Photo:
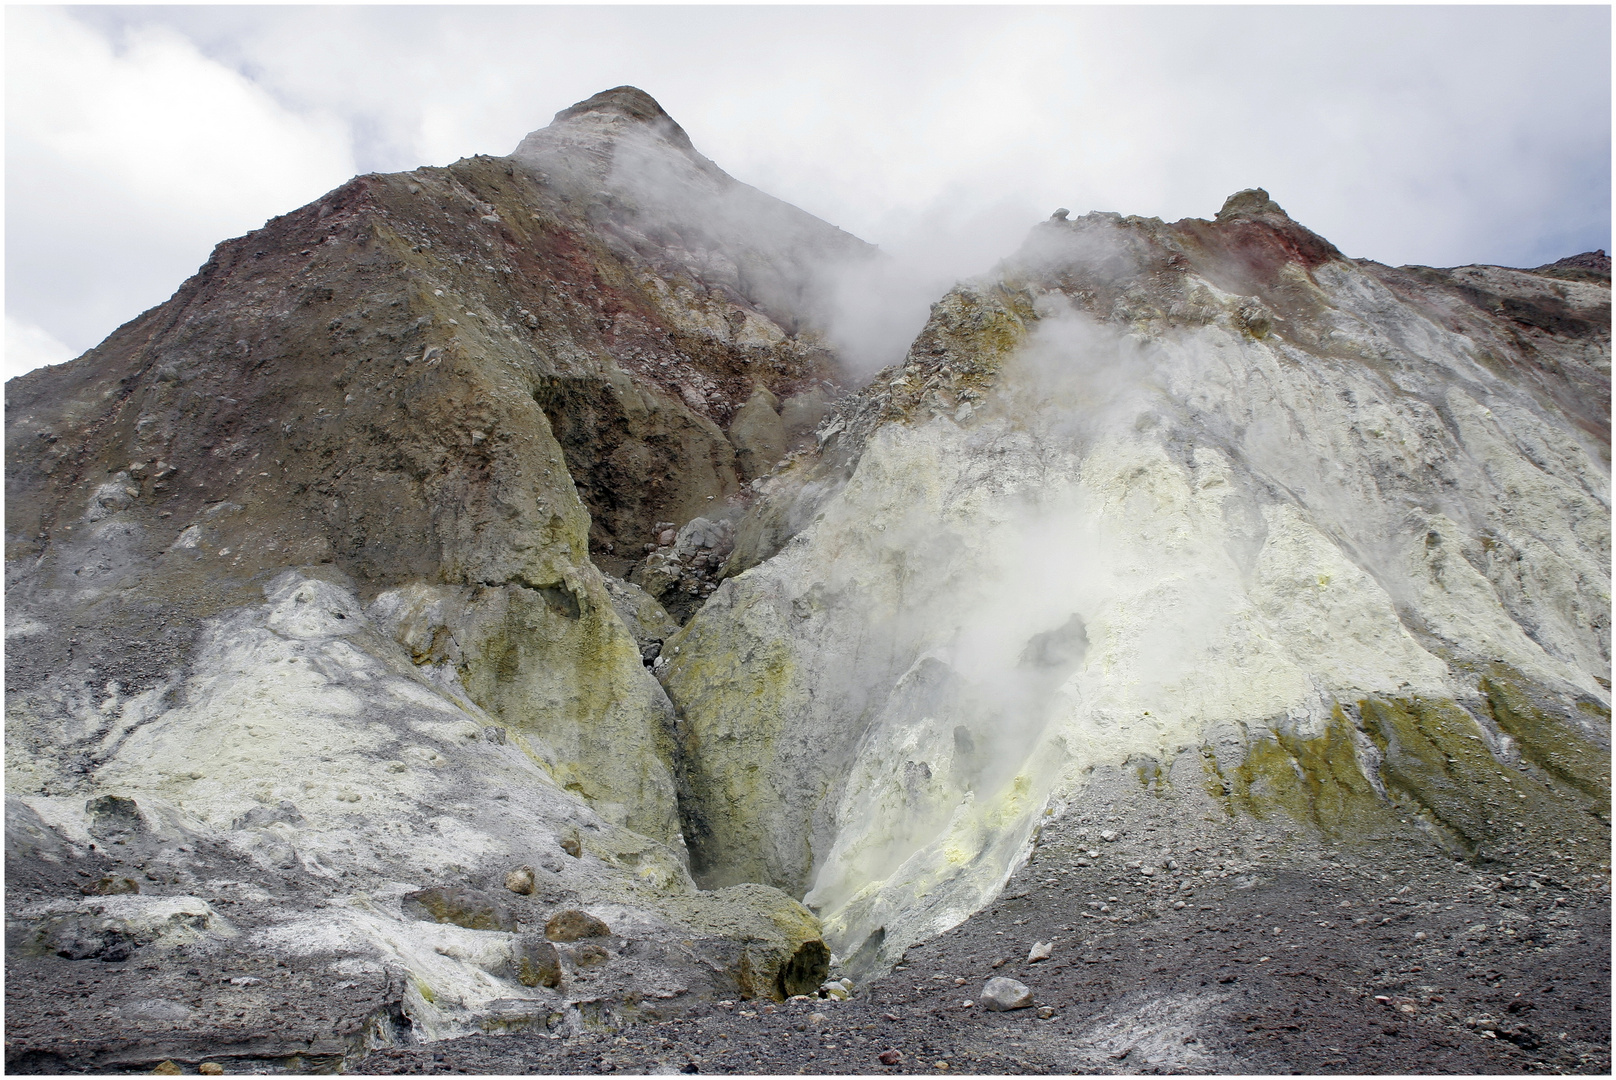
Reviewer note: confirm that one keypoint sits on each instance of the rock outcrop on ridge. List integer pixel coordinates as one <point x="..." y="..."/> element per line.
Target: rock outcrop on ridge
<point x="486" y="543"/>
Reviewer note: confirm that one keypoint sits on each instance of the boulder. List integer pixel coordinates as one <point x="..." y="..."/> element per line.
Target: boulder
<point x="111" y="886"/>
<point x="259" y="816"/>
<point x="574" y="925"/>
<point x="114" y="818"/>
<point x="86" y="937"/>
<point x="536" y="962"/>
<point x="1002" y="995"/>
<point x="589" y="955"/>
<point x="704" y="534"/>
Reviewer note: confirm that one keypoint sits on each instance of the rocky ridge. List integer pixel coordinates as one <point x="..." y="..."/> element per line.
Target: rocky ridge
<point x="484" y="553"/>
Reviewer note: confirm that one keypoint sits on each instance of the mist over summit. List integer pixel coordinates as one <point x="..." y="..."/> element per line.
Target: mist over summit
<point x="534" y="598"/>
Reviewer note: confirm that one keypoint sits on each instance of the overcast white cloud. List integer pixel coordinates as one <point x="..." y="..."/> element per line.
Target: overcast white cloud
<point x="127" y="158"/>
<point x="138" y="137"/>
<point x="29" y="346"/>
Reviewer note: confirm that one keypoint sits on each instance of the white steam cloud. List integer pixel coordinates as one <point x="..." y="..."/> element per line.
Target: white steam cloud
<point x="876" y="307"/>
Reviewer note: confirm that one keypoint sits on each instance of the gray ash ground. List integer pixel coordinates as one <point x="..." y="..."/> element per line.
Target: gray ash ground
<point x="1389" y="958"/>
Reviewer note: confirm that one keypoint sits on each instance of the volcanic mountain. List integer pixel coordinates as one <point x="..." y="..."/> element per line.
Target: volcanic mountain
<point x="482" y="601"/>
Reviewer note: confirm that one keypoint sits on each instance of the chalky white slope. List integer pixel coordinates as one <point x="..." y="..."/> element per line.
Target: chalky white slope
<point x="304" y="742"/>
<point x="1108" y="512"/>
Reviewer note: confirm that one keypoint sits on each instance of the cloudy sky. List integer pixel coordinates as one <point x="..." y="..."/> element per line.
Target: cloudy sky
<point x="138" y="137"/>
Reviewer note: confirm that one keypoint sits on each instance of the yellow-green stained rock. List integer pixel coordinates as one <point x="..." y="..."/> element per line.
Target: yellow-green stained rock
<point x="470" y="908"/>
<point x="563" y="669"/>
<point x="782" y="951"/>
<point x="536" y="962"/>
<point x="746" y="829"/>
<point x="574" y="925"/>
<point x="1548" y="741"/>
<point x="1314" y="780"/>
<point x="758" y="434"/>
<point x="1409" y="763"/>
<point x="558" y="666"/>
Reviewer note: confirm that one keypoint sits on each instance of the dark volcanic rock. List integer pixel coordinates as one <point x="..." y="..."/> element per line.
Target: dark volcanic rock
<point x="537" y="962"/>
<point x="572" y="925"/>
<point x="464" y="907"/>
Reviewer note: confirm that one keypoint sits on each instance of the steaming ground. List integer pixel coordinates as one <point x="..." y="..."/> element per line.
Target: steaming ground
<point x="1065" y="543"/>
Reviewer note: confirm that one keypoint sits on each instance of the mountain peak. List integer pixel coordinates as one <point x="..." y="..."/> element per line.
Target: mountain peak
<point x="610" y="108"/>
<point x="1249" y="203"/>
<point x="629" y="101"/>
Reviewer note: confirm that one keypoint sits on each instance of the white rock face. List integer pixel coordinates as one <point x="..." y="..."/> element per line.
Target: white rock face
<point x="341" y="775"/>
<point x="1151" y="532"/>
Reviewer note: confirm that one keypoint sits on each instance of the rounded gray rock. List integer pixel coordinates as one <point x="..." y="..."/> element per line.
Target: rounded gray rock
<point x="1002" y="995"/>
